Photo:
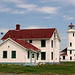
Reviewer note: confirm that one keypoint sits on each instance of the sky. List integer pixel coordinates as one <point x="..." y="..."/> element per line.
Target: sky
<point x="38" y="14"/>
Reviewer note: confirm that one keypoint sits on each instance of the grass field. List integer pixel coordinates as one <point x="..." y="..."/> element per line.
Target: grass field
<point x="63" y="68"/>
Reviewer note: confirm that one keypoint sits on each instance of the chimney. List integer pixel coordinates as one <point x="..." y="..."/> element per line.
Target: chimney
<point x="17" y="26"/>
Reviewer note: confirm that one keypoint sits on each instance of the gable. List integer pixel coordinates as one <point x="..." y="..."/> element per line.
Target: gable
<point x="56" y="35"/>
<point x="64" y="52"/>
<point x="6" y="44"/>
<point x="20" y="43"/>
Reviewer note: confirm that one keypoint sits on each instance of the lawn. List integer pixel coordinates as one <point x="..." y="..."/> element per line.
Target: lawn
<point x="62" y="68"/>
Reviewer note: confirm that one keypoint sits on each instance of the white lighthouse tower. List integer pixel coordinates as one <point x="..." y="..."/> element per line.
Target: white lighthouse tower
<point x="68" y="54"/>
<point x="71" y="43"/>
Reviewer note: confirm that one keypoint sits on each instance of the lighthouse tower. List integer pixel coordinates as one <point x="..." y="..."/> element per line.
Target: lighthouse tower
<point x="68" y="54"/>
<point x="71" y="43"/>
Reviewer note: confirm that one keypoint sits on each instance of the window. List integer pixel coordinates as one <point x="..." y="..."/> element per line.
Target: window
<point x="55" y="35"/>
<point x="70" y="58"/>
<point x="52" y="43"/>
<point x="30" y="41"/>
<point x="13" y="54"/>
<point x="70" y="43"/>
<point x="20" y="36"/>
<point x="37" y="56"/>
<point x="43" y="55"/>
<point x="73" y="34"/>
<point x="63" y="57"/>
<point x="70" y="51"/>
<point x="51" y="55"/>
<point x="28" y="54"/>
<point x="32" y="55"/>
<point x="43" y="43"/>
<point x="4" y="54"/>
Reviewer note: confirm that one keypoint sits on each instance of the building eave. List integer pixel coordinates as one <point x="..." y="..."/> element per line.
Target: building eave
<point x="17" y="44"/>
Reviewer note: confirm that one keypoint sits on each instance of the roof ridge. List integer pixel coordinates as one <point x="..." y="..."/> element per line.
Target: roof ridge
<point x="34" y="29"/>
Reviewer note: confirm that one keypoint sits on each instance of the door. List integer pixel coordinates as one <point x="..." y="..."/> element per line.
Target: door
<point x="33" y="57"/>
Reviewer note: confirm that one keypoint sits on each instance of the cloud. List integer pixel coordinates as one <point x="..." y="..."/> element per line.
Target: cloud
<point x="48" y="10"/>
<point x="70" y="2"/>
<point x="14" y="1"/>
<point x="4" y="9"/>
<point x="47" y="17"/>
<point x="33" y="27"/>
<point x="27" y="6"/>
<point x="43" y="1"/>
<point x="18" y="12"/>
<point x="3" y="30"/>
<point x="43" y="9"/>
<point x="68" y="18"/>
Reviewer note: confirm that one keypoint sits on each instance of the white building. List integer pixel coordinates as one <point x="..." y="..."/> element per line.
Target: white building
<point x="30" y="46"/>
<point x="68" y="54"/>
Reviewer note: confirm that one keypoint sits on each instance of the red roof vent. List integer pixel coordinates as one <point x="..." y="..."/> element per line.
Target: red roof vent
<point x="71" y="25"/>
<point x="17" y="27"/>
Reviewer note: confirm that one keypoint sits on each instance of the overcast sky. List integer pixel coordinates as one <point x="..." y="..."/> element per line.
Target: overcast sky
<point x="38" y="14"/>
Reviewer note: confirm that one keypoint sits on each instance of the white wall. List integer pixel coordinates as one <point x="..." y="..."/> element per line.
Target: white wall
<point x="55" y="48"/>
<point x="37" y="43"/>
<point x="48" y="49"/>
<point x="62" y="58"/>
<point x="21" y="54"/>
<point x="71" y="38"/>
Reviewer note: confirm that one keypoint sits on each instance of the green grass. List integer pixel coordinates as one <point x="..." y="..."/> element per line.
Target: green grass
<point x="63" y="68"/>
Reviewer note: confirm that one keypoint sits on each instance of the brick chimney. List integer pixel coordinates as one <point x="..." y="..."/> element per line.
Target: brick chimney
<point x="17" y="26"/>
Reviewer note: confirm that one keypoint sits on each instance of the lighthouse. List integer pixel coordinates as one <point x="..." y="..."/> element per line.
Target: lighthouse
<point x="71" y="43"/>
<point x="68" y="54"/>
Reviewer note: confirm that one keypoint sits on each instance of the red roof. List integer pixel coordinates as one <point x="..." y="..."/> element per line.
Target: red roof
<point x="64" y="52"/>
<point x="71" y="25"/>
<point x="26" y="45"/>
<point x="29" y="33"/>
